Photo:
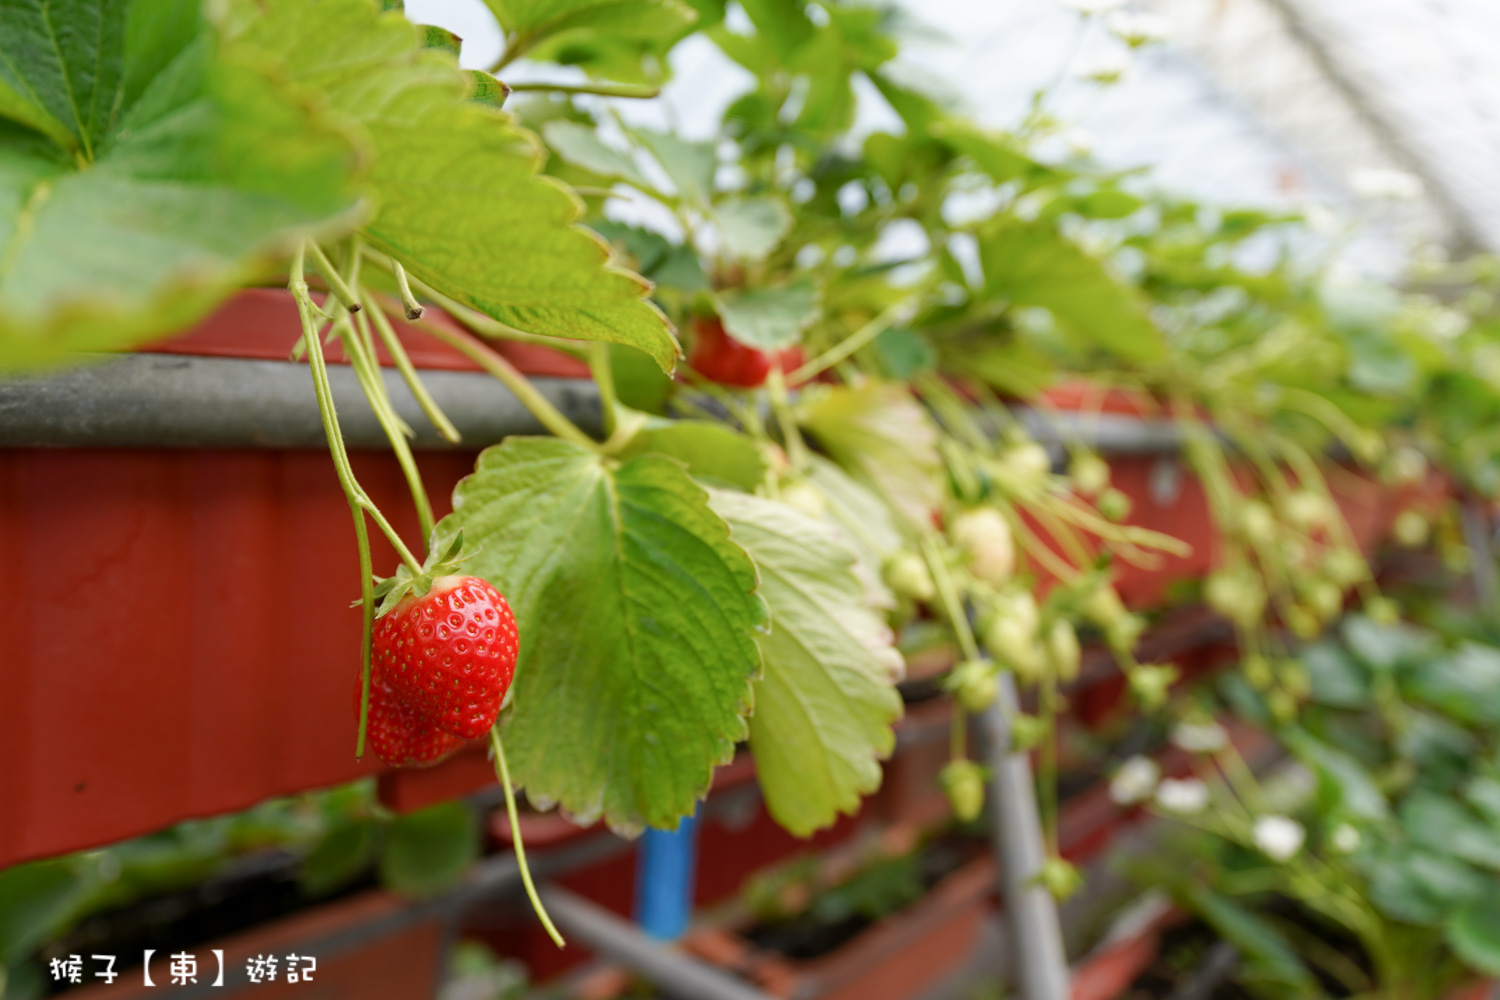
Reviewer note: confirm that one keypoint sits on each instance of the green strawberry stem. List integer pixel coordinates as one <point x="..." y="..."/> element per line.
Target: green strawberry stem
<point x="367" y="624"/>
<point x="411" y="308"/>
<point x="359" y="503"/>
<point x="502" y="771"/>
<point x="844" y="348"/>
<point x="604" y="378"/>
<point x="336" y="282"/>
<point x="485" y="357"/>
<point x="796" y="449"/>
<point x="633" y="91"/>
<point x="406" y="368"/>
<point x="360" y="346"/>
<point x="953" y="610"/>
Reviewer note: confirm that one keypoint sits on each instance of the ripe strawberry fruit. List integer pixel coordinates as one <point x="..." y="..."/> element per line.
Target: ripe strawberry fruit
<point x="449" y="653"/>
<point x="720" y="357"/>
<point x="399" y="734"/>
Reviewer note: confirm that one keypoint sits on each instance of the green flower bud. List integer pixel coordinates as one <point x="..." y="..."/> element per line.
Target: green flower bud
<point x="906" y="574"/>
<point x="973" y="683"/>
<point x="963" y="781"/>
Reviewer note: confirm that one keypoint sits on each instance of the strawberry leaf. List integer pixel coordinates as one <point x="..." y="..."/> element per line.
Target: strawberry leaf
<point x="768" y="318"/>
<point x="1032" y="264"/>
<point x="144" y="173"/>
<point x="636" y="614"/>
<point x="881" y="434"/>
<point x="460" y="203"/>
<point x="825" y="705"/>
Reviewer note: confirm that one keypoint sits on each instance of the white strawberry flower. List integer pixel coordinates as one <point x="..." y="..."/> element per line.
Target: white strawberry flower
<point x="1137" y="28"/>
<point x="1200" y="737"/>
<point x="1344" y="839"/>
<point x="1134" y="781"/>
<point x="1279" y="837"/>
<point x="1184" y="796"/>
<point x="1090" y="8"/>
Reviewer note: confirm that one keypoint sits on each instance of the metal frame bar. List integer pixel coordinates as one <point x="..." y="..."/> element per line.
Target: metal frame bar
<point x="177" y="401"/>
<point x="1039" y="959"/>
<point x="676" y="974"/>
<point x="180" y="401"/>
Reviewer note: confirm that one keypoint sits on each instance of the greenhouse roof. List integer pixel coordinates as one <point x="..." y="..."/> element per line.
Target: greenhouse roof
<point x="1385" y="111"/>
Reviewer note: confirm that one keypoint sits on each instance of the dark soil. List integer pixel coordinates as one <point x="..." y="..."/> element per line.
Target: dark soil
<point x="254" y="890"/>
<point x="1181" y="968"/>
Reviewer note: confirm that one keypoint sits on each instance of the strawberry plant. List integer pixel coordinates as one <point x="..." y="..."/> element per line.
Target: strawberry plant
<point x="734" y="558"/>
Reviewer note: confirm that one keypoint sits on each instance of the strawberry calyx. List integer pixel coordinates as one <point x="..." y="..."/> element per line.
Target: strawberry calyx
<point x="392" y="590"/>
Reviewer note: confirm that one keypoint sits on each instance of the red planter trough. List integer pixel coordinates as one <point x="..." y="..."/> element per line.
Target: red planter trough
<point x="184" y="643"/>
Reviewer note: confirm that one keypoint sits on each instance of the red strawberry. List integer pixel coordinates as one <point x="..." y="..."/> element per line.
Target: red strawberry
<point x="399" y="734"/>
<point x="720" y="357"/>
<point x="450" y="653"/>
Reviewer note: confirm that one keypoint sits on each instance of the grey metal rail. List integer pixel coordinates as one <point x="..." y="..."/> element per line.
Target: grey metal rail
<point x="181" y="401"/>
<point x="671" y="971"/>
<point x="177" y="401"/>
<point x="1016" y="831"/>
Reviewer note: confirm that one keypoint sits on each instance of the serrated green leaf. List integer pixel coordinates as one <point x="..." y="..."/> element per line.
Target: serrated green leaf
<point x="1343" y="779"/>
<point x="532" y="20"/>
<point x="768" y="318"/>
<point x="1445" y="826"/>
<point x="1337" y="678"/>
<point x="442" y="39"/>
<point x="487" y="90"/>
<point x="1465" y="683"/>
<point x="904" y="353"/>
<point x="867" y="524"/>
<point x="429" y="851"/>
<point x="581" y="146"/>
<point x="1269" y="954"/>
<point x="1474" y="933"/>
<point x="636" y="613"/>
<point x="36" y="901"/>
<point x="1384" y="646"/>
<point x="880" y="433"/>
<point x="460" y="202"/>
<point x="825" y="705"/>
<point x="165" y="173"/>
<point x="750" y="228"/>
<point x="1031" y="264"/>
<point x="710" y="451"/>
<point x="341" y="856"/>
<point x="689" y="165"/>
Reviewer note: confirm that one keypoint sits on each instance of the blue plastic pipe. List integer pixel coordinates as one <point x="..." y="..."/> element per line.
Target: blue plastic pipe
<point x="664" y="880"/>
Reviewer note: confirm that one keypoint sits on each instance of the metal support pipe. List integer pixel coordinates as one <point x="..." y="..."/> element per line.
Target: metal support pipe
<point x="1030" y="911"/>
<point x="173" y="401"/>
<point x="674" y="973"/>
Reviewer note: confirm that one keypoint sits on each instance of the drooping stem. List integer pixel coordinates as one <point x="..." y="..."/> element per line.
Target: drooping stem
<point x="409" y="304"/>
<point x="637" y="91"/>
<point x="1047" y="764"/>
<point x="604" y="378"/>
<point x="396" y="431"/>
<point x="324" y="391"/>
<point x="796" y="448"/>
<point x="352" y="492"/>
<point x="844" y="348"/>
<point x="953" y="610"/>
<point x="408" y="371"/>
<point x="336" y="282"/>
<point x="367" y="620"/>
<point x="540" y="406"/>
<point x="502" y="771"/>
